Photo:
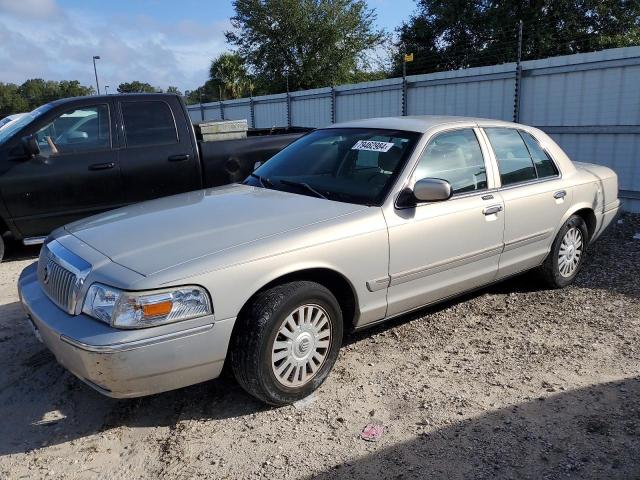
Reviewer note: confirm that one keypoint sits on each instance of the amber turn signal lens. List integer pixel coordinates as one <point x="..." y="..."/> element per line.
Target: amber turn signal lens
<point x="157" y="309"/>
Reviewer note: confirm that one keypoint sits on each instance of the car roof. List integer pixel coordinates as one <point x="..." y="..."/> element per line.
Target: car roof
<point x="418" y="123"/>
<point x="62" y="101"/>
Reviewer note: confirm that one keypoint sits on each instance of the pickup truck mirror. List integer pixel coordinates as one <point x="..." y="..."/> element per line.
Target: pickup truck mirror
<point x="30" y="145"/>
<point x="432" y="190"/>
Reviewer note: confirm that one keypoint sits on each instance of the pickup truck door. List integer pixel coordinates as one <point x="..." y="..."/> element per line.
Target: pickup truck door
<point x="535" y="198"/>
<point x="443" y="248"/>
<point x="75" y="174"/>
<point x="158" y="154"/>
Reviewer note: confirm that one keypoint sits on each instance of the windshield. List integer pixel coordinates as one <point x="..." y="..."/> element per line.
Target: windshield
<point x="353" y="165"/>
<point x="11" y="128"/>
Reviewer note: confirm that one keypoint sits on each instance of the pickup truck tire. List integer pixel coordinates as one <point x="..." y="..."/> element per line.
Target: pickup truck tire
<point x="567" y="254"/>
<point x="286" y="342"/>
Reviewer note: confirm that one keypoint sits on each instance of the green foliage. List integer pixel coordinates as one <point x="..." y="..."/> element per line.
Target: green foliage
<point x="446" y="34"/>
<point x="305" y="43"/>
<point x="36" y="92"/>
<point x="137" y="87"/>
<point x="174" y="90"/>
<point x="229" y="71"/>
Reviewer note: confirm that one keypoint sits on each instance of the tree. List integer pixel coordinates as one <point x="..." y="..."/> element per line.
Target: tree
<point x="137" y="87"/>
<point x="35" y="92"/>
<point x="446" y="34"/>
<point x="303" y="43"/>
<point x="174" y="90"/>
<point x="229" y="72"/>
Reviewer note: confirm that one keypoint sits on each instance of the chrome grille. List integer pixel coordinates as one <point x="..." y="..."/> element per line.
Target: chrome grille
<point x="59" y="278"/>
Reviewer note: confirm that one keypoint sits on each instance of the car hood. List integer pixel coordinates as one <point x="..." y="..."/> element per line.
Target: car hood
<point x="160" y="234"/>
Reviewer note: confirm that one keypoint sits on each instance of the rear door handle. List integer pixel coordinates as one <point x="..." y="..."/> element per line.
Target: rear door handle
<point x="492" y="209"/>
<point x="102" y="166"/>
<point x="560" y="194"/>
<point x="179" y="158"/>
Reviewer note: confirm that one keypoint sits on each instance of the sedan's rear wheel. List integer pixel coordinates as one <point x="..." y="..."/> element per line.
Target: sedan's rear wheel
<point x="567" y="253"/>
<point x="287" y="341"/>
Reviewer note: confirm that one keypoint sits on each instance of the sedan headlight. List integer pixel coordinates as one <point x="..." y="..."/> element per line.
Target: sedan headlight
<point x="123" y="309"/>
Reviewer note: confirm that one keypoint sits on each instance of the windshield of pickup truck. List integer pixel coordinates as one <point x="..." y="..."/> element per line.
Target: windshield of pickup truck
<point x="353" y="165"/>
<point x="9" y="130"/>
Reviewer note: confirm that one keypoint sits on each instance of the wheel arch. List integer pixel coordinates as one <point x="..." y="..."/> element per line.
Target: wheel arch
<point x="336" y="282"/>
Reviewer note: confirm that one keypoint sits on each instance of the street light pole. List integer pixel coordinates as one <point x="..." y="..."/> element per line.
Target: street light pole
<point x="106" y="89"/>
<point x="96" y="57"/>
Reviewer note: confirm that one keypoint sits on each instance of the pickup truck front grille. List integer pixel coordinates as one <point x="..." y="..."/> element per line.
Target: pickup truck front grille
<point x="61" y="275"/>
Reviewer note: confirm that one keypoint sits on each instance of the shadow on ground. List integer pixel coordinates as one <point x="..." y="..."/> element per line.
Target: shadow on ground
<point x="588" y="433"/>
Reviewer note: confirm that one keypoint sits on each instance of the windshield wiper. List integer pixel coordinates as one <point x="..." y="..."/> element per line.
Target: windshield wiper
<point x="303" y="185"/>
<point x="264" y="182"/>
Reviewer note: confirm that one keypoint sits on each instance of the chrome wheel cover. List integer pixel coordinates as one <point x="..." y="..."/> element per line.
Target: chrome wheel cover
<point x="301" y="345"/>
<point x="570" y="252"/>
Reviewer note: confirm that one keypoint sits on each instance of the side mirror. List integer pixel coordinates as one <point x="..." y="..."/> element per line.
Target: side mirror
<point x="31" y="147"/>
<point x="432" y="190"/>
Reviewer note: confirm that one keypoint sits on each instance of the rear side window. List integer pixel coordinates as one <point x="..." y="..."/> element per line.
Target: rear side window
<point x="544" y="165"/>
<point x="148" y="123"/>
<point x="514" y="162"/>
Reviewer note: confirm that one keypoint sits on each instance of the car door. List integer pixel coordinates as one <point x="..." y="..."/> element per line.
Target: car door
<point x="75" y="174"/>
<point x="441" y="249"/>
<point x="534" y="195"/>
<point x="157" y="157"/>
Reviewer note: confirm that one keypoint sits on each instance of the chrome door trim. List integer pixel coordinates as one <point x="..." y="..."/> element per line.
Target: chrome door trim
<point x="33" y="240"/>
<point x="378" y="284"/>
<point x="421" y="272"/>
<point x="529" y="239"/>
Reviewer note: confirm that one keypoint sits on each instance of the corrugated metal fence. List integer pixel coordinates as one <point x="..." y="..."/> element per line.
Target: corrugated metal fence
<point x="589" y="103"/>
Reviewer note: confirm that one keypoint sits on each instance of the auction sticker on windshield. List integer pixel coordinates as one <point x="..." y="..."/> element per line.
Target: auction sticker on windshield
<point x="372" y="146"/>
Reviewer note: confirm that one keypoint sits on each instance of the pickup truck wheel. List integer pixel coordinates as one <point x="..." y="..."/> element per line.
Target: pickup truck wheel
<point x="287" y="342"/>
<point x="567" y="253"/>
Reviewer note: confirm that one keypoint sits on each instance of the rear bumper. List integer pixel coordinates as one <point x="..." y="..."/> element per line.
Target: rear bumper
<point x="606" y="218"/>
<point x="149" y="362"/>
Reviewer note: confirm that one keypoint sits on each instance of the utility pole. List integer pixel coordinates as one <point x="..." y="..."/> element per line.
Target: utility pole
<point x="517" y="91"/>
<point x="96" y="57"/>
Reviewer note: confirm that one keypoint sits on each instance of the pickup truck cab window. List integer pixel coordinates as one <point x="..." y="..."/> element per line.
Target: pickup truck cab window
<point x="352" y="165"/>
<point x="456" y="157"/>
<point x="81" y="129"/>
<point x="148" y="123"/>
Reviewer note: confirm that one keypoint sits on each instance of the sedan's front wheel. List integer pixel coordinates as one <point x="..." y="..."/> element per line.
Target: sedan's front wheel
<point x="287" y="342"/>
<point x="567" y="253"/>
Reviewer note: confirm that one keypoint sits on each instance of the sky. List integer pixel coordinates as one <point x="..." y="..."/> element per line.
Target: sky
<point x="161" y="42"/>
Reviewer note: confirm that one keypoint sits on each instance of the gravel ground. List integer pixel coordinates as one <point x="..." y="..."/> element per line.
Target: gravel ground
<point x="514" y="381"/>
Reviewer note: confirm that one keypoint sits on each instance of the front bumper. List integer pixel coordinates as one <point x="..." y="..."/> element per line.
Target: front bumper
<point x="127" y="363"/>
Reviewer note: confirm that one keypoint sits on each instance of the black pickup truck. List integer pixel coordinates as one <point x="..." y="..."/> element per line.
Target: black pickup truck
<point x="76" y="157"/>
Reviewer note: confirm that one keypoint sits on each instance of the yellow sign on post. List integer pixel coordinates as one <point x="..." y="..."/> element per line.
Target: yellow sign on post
<point x="408" y="57"/>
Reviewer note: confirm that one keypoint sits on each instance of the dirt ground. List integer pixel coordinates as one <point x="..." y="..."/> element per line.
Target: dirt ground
<point x="514" y="381"/>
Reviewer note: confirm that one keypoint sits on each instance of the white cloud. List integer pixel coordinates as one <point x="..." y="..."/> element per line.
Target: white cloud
<point x="58" y="44"/>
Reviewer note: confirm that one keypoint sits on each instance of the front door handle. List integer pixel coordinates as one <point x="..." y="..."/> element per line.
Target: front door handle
<point x="492" y="209"/>
<point x="179" y="158"/>
<point x="560" y="194"/>
<point x="102" y="166"/>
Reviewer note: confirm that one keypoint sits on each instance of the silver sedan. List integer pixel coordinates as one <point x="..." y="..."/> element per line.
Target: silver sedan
<point x="348" y="226"/>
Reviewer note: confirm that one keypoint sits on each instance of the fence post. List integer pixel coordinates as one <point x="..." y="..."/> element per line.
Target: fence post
<point x="252" y="113"/>
<point x="221" y="110"/>
<point x="288" y="110"/>
<point x="333" y="104"/>
<point x="201" y="108"/>
<point x="516" y="94"/>
<point x="404" y="85"/>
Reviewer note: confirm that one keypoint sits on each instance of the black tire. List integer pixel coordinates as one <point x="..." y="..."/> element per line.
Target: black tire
<point x="257" y="330"/>
<point x="550" y="269"/>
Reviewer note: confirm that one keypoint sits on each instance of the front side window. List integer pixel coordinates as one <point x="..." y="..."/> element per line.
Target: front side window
<point x="514" y="162"/>
<point x="353" y="165"/>
<point x="77" y="130"/>
<point x="455" y="157"/>
<point x="148" y="122"/>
